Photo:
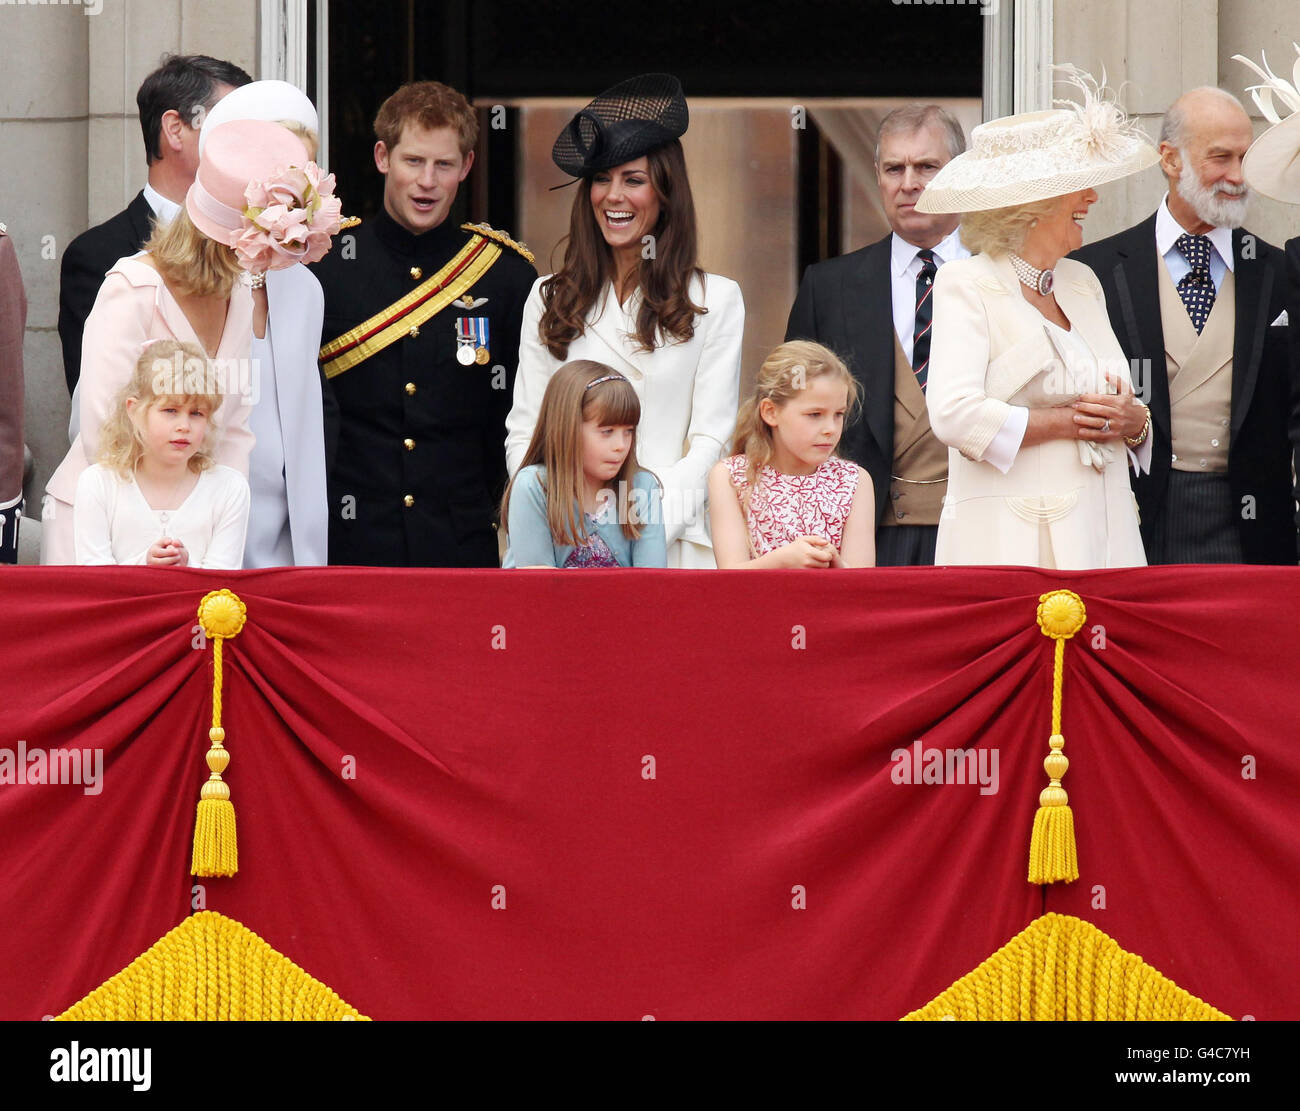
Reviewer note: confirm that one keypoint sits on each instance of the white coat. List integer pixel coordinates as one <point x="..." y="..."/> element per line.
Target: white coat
<point x="991" y="350"/>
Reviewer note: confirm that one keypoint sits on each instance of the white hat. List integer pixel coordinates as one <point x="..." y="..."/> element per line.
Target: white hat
<point x="1035" y="155"/>
<point x="1272" y="165"/>
<point x="261" y="100"/>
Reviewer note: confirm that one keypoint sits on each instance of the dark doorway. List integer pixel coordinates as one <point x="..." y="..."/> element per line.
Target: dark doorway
<point x="510" y="50"/>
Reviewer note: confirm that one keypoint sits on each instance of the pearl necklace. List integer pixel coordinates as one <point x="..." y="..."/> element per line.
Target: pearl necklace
<point x="1040" y="281"/>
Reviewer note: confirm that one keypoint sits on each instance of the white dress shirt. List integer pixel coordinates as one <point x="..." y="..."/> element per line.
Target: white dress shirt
<point x="1167" y="232"/>
<point x="905" y="268"/>
<point x="165" y="210"/>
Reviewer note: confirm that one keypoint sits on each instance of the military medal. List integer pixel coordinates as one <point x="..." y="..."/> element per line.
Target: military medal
<point x="472" y="341"/>
<point x="465" y="341"/>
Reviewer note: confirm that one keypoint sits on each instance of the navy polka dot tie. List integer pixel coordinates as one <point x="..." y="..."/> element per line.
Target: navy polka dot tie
<point x="1195" y="287"/>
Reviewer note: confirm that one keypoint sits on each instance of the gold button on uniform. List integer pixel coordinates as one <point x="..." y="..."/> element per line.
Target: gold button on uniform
<point x="410" y="387"/>
<point x="410" y="445"/>
<point x="414" y="333"/>
<point x="408" y="501"/>
<point x="416" y="273"/>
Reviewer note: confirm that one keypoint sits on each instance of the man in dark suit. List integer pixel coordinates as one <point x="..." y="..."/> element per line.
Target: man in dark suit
<point x="872" y="308"/>
<point x="172" y="102"/>
<point x="1196" y="304"/>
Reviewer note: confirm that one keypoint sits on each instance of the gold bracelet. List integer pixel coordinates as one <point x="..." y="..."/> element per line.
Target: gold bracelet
<point x="1141" y="437"/>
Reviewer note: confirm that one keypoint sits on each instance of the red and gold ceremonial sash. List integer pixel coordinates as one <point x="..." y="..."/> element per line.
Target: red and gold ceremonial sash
<point x="421" y="304"/>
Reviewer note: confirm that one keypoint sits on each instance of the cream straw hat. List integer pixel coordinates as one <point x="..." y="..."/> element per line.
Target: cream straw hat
<point x="1035" y="155"/>
<point x="1272" y="165"/>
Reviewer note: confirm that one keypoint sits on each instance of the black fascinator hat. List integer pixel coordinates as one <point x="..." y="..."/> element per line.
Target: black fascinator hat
<point x="621" y="124"/>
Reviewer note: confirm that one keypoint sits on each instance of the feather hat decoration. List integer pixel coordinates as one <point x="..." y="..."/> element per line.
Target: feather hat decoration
<point x="1035" y="155"/>
<point x="1272" y="165"/>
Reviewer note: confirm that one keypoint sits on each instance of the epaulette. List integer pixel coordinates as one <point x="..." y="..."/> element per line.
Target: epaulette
<point x="487" y="231"/>
<point x="349" y="222"/>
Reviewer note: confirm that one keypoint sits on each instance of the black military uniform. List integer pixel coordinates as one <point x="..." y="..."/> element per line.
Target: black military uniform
<point x="417" y="465"/>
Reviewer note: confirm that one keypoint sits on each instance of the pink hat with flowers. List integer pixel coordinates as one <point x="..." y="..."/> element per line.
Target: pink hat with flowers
<point x="257" y="192"/>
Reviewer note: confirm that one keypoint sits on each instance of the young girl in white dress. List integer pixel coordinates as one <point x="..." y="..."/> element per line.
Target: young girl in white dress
<point x="156" y="496"/>
<point x="785" y="499"/>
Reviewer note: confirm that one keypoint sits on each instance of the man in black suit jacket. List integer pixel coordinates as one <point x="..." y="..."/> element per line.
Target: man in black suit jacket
<point x="1247" y="512"/>
<point x="864" y="307"/>
<point x="172" y="102"/>
<point x="1292" y="251"/>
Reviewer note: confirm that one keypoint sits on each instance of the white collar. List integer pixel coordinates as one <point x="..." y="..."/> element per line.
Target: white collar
<point x="901" y="252"/>
<point x="1168" y="230"/>
<point x="165" y="210"/>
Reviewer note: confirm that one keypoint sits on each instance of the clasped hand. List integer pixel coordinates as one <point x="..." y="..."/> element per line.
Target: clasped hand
<point x="810" y="551"/>
<point x="167" y="553"/>
<point x="1126" y="414"/>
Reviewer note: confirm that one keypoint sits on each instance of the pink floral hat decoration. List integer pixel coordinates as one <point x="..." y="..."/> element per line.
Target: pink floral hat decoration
<point x="257" y="192"/>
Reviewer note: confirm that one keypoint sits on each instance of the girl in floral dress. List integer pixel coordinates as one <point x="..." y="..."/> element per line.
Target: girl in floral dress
<point x="785" y="499"/>
<point x="579" y="498"/>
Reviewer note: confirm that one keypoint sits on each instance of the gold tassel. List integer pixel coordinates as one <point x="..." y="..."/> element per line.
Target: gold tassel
<point x="216" y="852"/>
<point x="1052" y="854"/>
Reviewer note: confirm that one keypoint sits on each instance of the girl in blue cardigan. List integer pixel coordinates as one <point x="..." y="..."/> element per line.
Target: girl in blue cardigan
<point x="579" y="498"/>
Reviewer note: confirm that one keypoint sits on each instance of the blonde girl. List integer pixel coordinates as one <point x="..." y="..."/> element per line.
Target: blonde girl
<point x="579" y="498"/>
<point x="156" y="496"/>
<point x="785" y="499"/>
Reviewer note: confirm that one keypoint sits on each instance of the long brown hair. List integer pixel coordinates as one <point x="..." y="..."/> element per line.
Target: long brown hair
<point x="571" y="399"/>
<point x="667" y="310"/>
<point x="787" y="370"/>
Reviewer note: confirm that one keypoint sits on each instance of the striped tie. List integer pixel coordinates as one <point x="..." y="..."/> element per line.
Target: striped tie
<point x="924" y="310"/>
<point x="1196" y="288"/>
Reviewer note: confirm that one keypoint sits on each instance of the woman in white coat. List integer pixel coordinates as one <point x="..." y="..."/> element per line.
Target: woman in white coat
<point x="630" y="294"/>
<point x="1027" y="383"/>
<point x="288" y="521"/>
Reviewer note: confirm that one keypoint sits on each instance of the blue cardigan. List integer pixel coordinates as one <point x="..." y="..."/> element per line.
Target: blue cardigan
<point x="530" y="538"/>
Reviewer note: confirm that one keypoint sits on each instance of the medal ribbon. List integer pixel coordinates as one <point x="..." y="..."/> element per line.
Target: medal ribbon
<point x="418" y="306"/>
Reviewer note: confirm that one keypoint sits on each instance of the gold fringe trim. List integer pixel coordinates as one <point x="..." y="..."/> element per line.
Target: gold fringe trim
<point x="210" y="968"/>
<point x="1061" y="967"/>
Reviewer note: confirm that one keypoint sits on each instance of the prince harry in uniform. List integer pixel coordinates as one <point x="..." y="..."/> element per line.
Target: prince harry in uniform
<point x="421" y="337"/>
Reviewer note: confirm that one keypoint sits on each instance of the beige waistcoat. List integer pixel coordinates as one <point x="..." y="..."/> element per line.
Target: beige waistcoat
<point x="919" y="478"/>
<point x="1200" y="376"/>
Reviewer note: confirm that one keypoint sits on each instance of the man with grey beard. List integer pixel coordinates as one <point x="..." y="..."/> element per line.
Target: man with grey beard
<point x="1196" y="302"/>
